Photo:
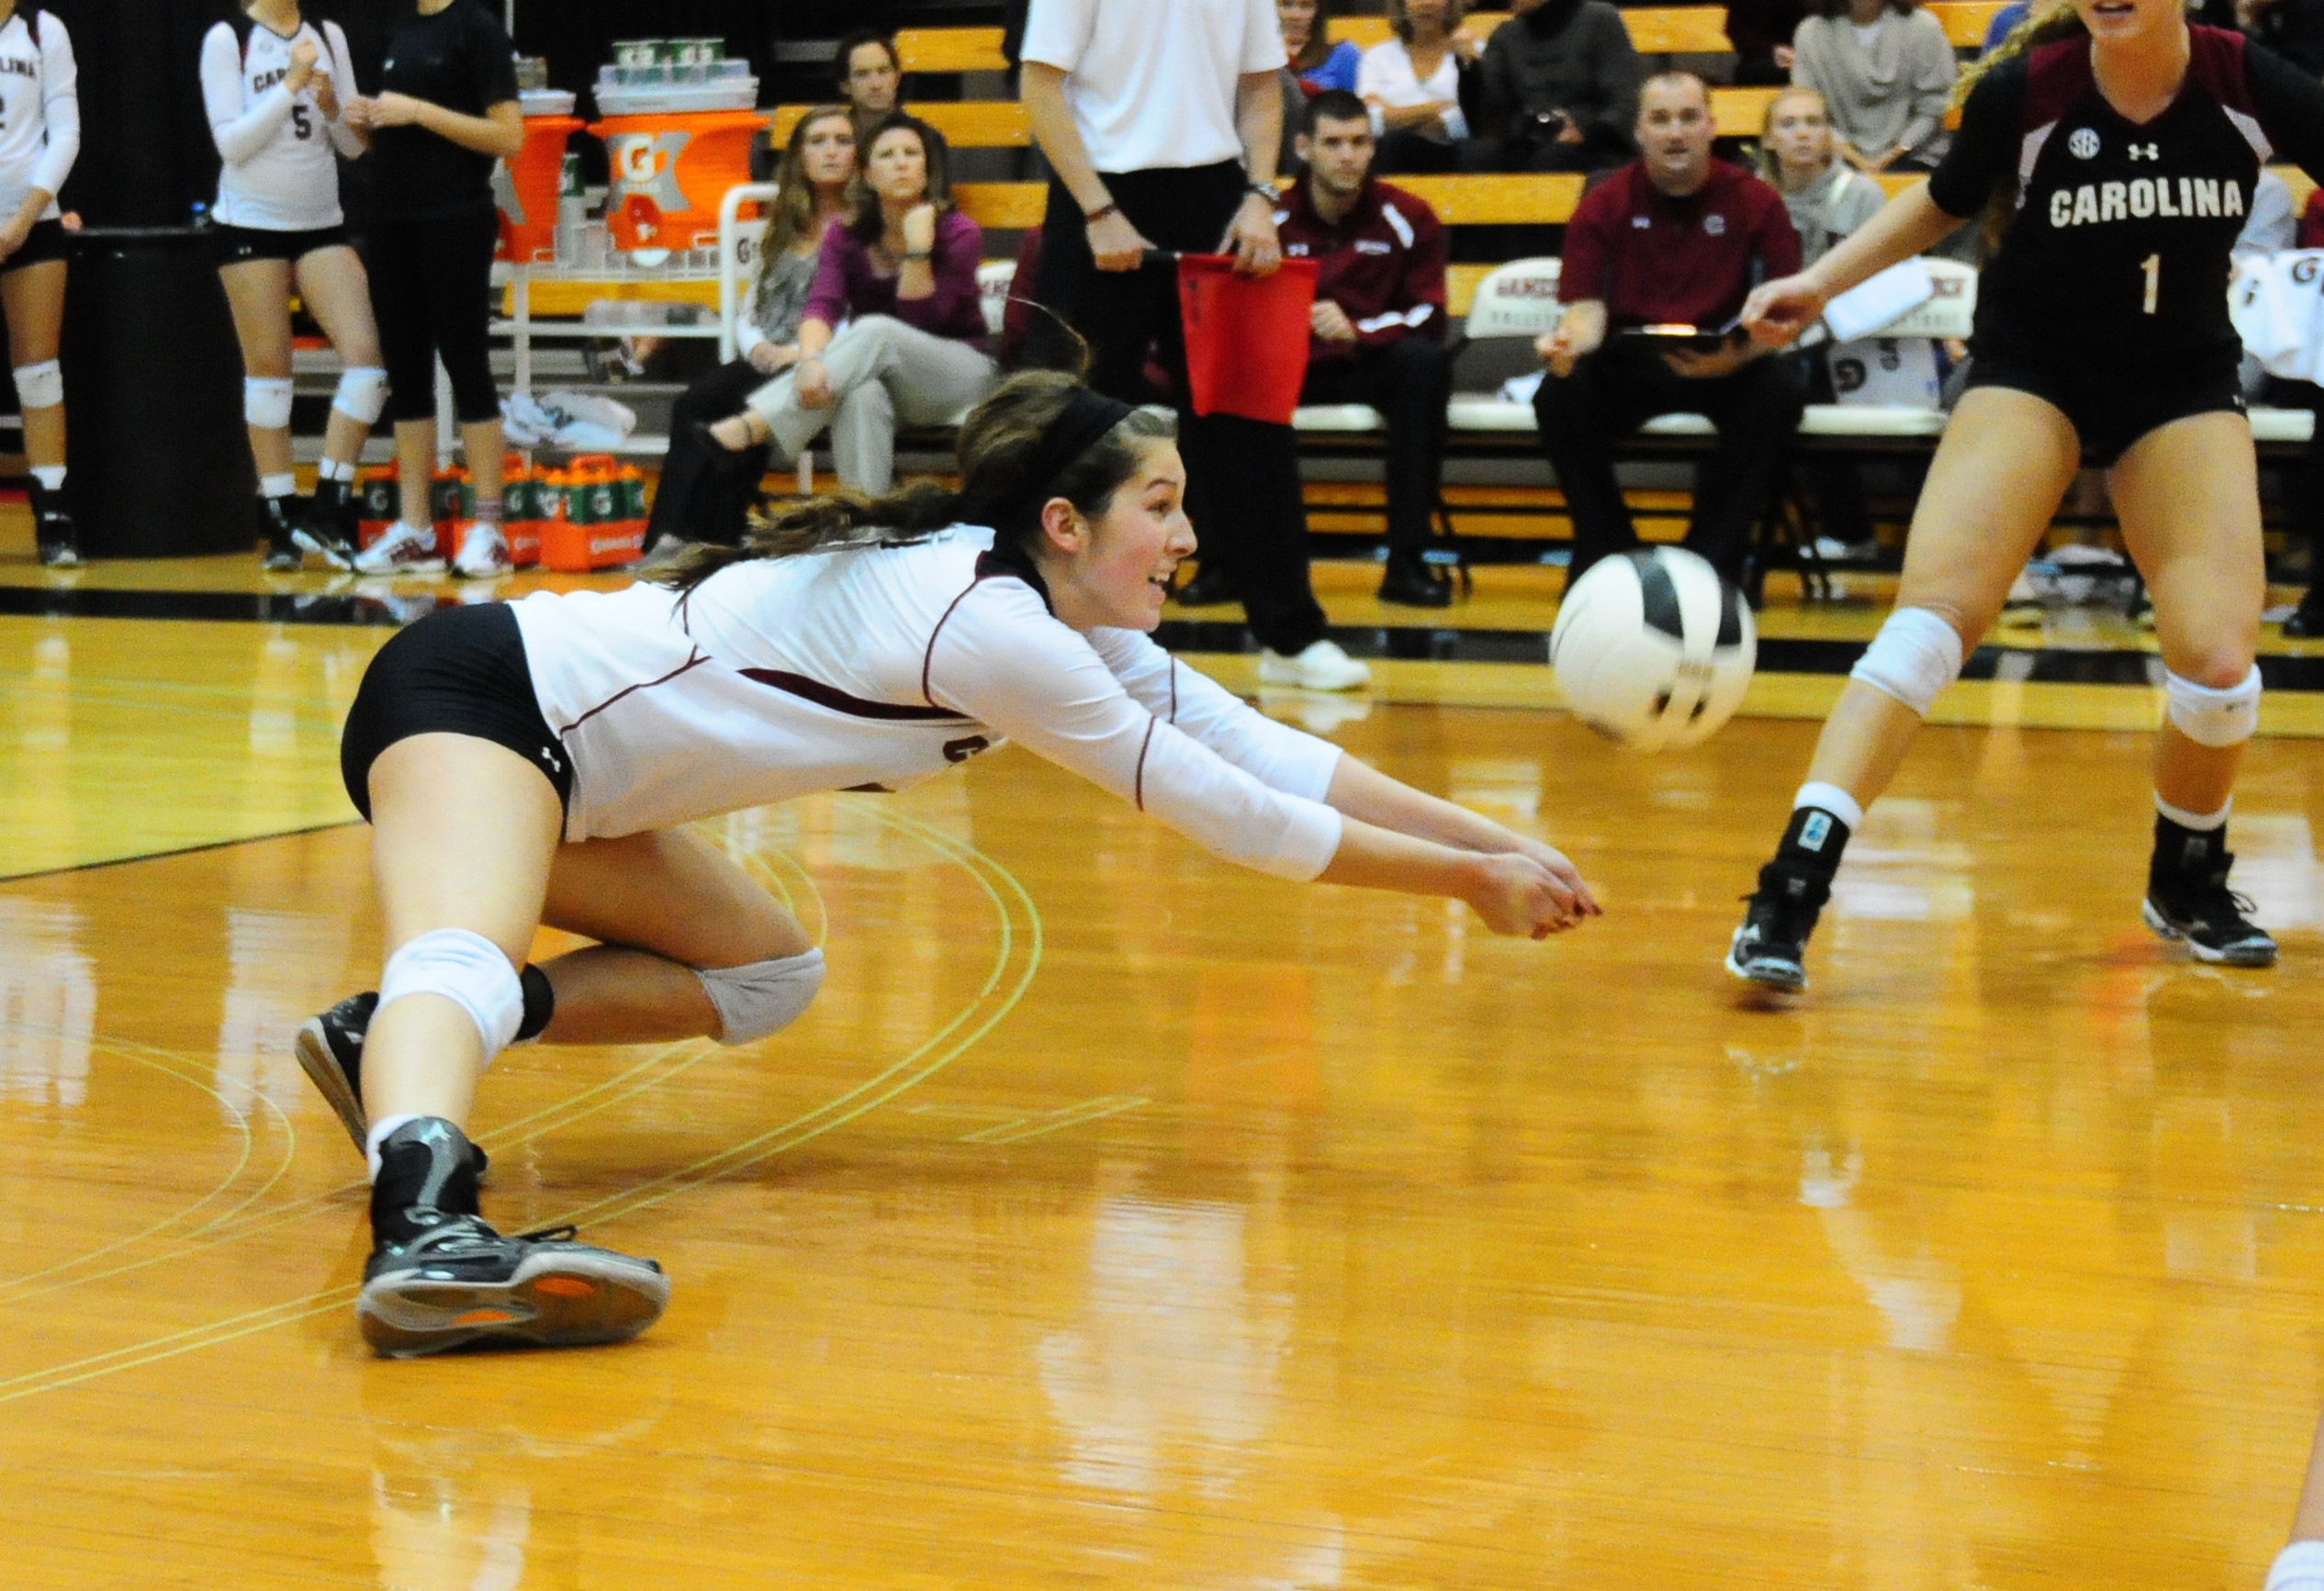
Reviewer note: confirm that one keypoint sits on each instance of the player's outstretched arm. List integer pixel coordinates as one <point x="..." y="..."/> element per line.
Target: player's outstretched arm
<point x="1514" y="893"/>
<point x="1910" y="223"/>
<point x="1373" y="800"/>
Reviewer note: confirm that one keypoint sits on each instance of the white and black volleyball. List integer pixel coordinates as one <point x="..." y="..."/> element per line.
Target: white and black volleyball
<point x="1653" y="649"/>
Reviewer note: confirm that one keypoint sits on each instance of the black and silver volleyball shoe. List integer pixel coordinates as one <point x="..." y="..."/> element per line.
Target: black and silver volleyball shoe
<point x="1771" y="948"/>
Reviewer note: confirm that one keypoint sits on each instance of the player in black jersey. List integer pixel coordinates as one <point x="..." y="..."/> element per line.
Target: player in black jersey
<point x="2117" y="148"/>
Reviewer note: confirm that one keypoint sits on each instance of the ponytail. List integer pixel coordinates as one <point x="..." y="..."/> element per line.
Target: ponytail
<point x="913" y="512"/>
<point x="2046" y="26"/>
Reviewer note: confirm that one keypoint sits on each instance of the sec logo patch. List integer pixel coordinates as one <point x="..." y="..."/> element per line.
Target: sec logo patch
<point x="2085" y="143"/>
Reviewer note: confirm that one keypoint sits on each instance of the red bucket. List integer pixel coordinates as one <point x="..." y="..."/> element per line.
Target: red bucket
<point x="1246" y="336"/>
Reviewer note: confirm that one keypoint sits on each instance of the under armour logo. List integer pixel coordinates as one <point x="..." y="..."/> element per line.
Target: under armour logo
<point x="1642" y="223"/>
<point x="550" y="757"/>
<point x="2084" y="144"/>
<point x="1716" y="225"/>
<point x="2146" y="151"/>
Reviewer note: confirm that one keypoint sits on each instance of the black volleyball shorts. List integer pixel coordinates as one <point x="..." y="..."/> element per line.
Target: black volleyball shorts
<point x="2110" y="407"/>
<point x="458" y="671"/>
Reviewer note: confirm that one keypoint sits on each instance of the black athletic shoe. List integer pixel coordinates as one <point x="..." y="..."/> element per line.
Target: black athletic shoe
<point x="2210" y="918"/>
<point x="1771" y="948"/>
<point x="53" y="533"/>
<point x="1411" y="582"/>
<point x="330" y="1050"/>
<point x="283" y="554"/>
<point x="328" y="528"/>
<point x="458" y="1284"/>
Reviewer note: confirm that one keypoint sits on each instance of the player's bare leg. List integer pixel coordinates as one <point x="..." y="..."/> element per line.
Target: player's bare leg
<point x="2006" y="459"/>
<point x="2188" y="496"/>
<point x="258" y="293"/>
<point x="332" y="286"/>
<point x="33" y="299"/>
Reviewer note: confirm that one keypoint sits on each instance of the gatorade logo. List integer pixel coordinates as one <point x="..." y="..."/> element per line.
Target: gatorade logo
<point x="1815" y="831"/>
<point x="646" y="162"/>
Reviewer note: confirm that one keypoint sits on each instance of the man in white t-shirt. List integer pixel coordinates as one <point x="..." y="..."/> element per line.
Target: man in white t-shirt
<point x="1162" y="124"/>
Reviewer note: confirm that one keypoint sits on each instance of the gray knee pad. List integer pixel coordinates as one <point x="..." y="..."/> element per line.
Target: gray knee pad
<point x="764" y="997"/>
<point x="266" y="401"/>
<point x="362" y="393"/>
<point x="2214" y="718"/>
<point x="1914" y="657"/>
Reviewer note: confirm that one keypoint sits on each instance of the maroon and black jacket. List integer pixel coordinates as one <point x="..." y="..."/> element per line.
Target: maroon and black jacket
<point x="1383" y="264"/>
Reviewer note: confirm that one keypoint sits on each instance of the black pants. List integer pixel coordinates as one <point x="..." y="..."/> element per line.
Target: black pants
<point x="2304" y="492"/>
<point x="1626" y="383"/>
<point x="703" y="498"/>
<point x="430" y="283"/>
<point x="1409" y="382"/>
<point x="1243" y="475"/>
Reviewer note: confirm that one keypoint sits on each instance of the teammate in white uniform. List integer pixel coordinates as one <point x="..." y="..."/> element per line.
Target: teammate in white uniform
<point x="40" y="136"/>
<point x="271" y="86"/>
<point x="852" y="646"/>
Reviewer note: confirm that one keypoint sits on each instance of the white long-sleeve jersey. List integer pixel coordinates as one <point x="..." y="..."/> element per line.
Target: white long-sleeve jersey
<point x="880" y="668"/>
<point x="40" y="109"/>
<point x="278" y="174"/>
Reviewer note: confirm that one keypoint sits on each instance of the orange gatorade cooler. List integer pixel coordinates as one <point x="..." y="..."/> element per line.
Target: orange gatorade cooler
<point x="452" y="506"/>
<point x="520" y="511"/>
<point x="377" y="503"/>
<point x="670" y="172"/>
<point x="526" y="188"/>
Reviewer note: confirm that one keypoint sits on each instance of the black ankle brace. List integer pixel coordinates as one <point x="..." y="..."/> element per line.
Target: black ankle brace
<point x="427" y="1172"/>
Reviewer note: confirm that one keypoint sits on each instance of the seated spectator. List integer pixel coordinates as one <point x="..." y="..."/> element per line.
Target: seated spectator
<point x="1885" y="70"/>
<point x="871" y="80"/>
<point x="1320" y="63"/>
<point x="1674" y="237"/>
<point x="898" y="284"/>
<point x="1412" y="84"/>
<point x="1379" y="321"/>
<point x="703" y="498"/>
<point x="1557" y="90"/>
<point x="1761" y="32"/>
<point x="1827" y="198"/>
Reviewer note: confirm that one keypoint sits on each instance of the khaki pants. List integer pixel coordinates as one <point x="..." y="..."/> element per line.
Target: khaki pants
<point x="884" y="374"/>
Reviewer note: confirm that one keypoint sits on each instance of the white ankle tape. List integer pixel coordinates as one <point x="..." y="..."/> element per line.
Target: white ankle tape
<point x="2201" y="822"/>
<point x="40" y="386"/>
<point x="2214" y="718"/>
<point x="362" y="393"/>
<point x="1832" y="799"/>
<point x="1914" y="657"/>
<point x="266" y="401"/>
<point x="764" y="997"/>
<point x="2299" y="1567"/>
<point x="465" y="969"/>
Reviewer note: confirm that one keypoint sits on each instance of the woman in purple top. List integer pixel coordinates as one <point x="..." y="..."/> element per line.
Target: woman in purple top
<point x="894" y="332"/>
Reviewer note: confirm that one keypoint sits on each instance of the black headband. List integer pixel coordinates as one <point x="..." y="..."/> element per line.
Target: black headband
<point x="1084" y="423"/>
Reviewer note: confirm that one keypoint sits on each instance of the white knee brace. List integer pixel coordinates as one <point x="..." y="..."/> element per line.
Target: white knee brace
<point x="266" y="401"/>
<point x="764" y="997"/>
<point x="40" y="386"/>
<point x="465" y="969"/>
<point x="1914" y="657"/>
<point x="2209" y="717"/>
<point x="362" y="393"/>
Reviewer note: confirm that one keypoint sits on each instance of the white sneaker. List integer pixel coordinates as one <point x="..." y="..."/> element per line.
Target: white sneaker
<point x="1322" y="666"/>
<point x="404" y="550"/>
<point x="484" y="553"/>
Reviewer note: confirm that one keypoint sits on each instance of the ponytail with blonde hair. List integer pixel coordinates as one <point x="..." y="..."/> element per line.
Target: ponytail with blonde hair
<point x="2046" y="26"/>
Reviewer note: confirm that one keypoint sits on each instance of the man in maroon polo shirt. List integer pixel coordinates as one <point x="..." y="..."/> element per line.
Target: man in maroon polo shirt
<point x="1378" y="320"/>
<point x="1673" y="238"/>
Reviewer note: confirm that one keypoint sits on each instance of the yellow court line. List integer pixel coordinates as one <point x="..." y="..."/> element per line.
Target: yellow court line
<point x="1057" y="1121"/>
<point x="912" y="1069"/>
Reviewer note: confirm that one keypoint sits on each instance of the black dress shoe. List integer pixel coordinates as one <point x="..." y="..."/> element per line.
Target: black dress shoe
<point x="1415" y="583"/>
<point x="2304" y="623"/>
<point x="1211" y="585"/>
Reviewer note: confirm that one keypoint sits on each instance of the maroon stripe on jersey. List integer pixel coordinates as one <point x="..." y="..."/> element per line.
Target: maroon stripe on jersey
<point x="696" y="661"/>
<point x="2217" y="64"/>
<point x="1137" y="790"/>
<point x="2056" y="74"/>
<point x="838" y="701"/>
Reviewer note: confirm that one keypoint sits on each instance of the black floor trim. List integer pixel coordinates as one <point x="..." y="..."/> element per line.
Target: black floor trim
<point x="245" y="607"/>
<point x="7" y="878"/>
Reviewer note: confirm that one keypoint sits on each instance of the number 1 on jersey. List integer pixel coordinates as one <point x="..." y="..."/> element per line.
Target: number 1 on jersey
<point x="2152" y="266"/>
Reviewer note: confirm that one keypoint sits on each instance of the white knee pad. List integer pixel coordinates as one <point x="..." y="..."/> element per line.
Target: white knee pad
<point x="362" y="393"/>
<point x="1914" y="657"/>
<point x="266" y="401"/>
<point x="40" y="386"/>
<point x="764" y="997"/>
<point x="467" y="969"/>
<point x="2209" y="717"/>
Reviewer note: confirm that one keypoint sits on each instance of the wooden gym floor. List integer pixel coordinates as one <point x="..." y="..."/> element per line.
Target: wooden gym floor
<point x="1118" y="1218"/>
